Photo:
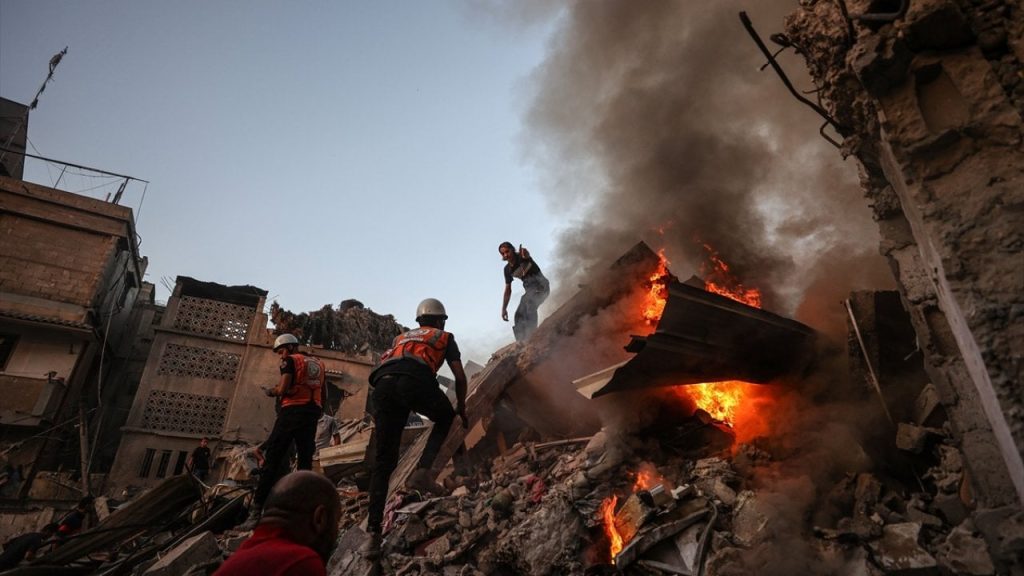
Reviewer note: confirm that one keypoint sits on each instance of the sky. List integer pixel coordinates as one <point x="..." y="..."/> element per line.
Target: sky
<point x="319" y="150"/>
<point x="382" y="150"/>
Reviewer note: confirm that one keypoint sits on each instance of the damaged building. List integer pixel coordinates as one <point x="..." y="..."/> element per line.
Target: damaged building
<point x="652" y="426"/>
<point x="209" y="365"/>
<point x="72" y="306"/>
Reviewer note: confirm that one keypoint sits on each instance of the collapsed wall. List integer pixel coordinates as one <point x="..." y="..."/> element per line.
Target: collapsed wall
<point x="928" y="97"/>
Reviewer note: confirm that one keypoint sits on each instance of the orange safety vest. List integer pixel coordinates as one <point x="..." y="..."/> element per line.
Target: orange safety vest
<point x="307" y="382"/>
<point x="425" y="345"/>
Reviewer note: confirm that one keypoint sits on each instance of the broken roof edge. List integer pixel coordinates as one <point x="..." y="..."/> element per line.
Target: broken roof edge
<point x="246" y="295"/>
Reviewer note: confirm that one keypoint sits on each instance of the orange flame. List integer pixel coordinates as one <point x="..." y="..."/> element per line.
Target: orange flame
<point x="722" y="400"/>
<point x="647" y="477"/>
<point x="608" y="518"/>
<point x="657" y="293"/>
<point x="718" y="279"/>
<point x="719" y="399"/>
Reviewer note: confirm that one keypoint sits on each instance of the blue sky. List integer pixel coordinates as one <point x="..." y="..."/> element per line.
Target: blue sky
<point x="319" y="150"/>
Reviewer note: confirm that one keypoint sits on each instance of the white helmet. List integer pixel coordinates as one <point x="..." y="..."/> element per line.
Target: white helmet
<point x="284" y="340"/>
<point x="430" y="307"/>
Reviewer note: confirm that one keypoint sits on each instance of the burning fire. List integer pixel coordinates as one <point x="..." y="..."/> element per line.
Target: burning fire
<point x="608" y="518"/>
<point x="724" y="401"/>
<point x="657" y="293"/>
<point x="718" y="279"/>
<point x="721" y="400"/>
<point x="647" y="477"/>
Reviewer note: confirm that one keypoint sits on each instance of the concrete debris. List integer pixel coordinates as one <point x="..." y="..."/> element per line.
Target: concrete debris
<point x="899" y="551"/>
<point x="928" y="408"/>
<point x="913" y="438"/>
<point x="199" y="549"/>
<point x="964" y="552"/>
<point x="1003" y="530"/>
<point x="751" y="520"/>
<point x="675" y="495"/>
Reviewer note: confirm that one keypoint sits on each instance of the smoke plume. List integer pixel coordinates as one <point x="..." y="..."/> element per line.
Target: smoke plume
<point x="655" y="119"/>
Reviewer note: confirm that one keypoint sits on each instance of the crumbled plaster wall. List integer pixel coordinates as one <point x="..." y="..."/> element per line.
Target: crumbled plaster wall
<point x="929" y="95"/>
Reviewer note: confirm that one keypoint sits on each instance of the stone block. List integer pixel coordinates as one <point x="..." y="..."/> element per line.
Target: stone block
<point x="965" y="553"/>
<point x="935" y="25"/>
<point x="198" y="549"/>
<point x="950" y="507"/>
<point x="911" y="438"/>
<point x="1003" y="529"/>
<point x="898" y="551"/>
<point x="880" y="63"/>
<point x="751" y="519"/>
<point x="927" y="408"/>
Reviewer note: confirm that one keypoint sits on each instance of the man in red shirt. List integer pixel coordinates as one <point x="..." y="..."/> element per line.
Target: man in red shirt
<point x="297" y="533"/>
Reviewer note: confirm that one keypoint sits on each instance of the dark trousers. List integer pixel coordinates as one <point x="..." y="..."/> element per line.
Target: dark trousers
<point x="537" y="292"/>
<point x="294" y="424"/>
<point x="394" y="396"/>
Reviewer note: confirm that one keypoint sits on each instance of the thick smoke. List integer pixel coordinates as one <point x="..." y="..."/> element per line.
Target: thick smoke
<point x="654" y="116"/>
<point x="653" y="119"/>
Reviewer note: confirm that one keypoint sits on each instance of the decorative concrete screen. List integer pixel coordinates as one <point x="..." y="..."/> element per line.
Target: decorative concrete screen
<point x="186" y="413"/>
<point x="179" y="360"/>
<point x="214" y="318"/>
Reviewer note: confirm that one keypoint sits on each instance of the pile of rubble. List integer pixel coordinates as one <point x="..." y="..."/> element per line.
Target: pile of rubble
<point x="351" y="327"/>
<point x="549" y="479"/>
<point x="679" y="500"/>
<point x="543" y="509"/>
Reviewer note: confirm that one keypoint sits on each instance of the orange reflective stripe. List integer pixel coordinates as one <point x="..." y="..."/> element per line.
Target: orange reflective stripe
<point x="307" y="382"/>
<point x="425" y="345"/>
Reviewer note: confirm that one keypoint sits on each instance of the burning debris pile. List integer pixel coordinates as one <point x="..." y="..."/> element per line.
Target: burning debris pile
<point x="720" y="478"/>
<point x="573" y="507"/>
<point x="664" y="487"/>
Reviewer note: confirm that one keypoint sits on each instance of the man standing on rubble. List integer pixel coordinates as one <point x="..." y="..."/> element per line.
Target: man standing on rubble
<point x="300" y="390"/>
<point x="519" y="264"/>
<point x="199" y="461"/>
<point x="405" y="381"/>
<point x="297" y="533"/>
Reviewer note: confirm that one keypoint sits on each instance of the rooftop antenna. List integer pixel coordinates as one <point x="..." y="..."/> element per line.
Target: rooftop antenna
<point x="35" y="101"/>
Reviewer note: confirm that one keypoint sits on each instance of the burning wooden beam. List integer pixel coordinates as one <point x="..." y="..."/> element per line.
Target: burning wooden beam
<point x="705" y="337"/>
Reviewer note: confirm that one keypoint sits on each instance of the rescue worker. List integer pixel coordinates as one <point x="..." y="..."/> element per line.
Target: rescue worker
<point x="405" y="381"/>
<point x="300" y="391"/>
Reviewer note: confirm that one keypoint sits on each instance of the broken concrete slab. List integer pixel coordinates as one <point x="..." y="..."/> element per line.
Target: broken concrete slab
<point x="751" y="517"/>
<point x="912" y="438"/>
<point x="898" y="550"/>
<point x="198" y="549"/>
<point x="963" y="552"/>
<point x="165" y="500"/>
<point x="1003" y="529"/>
<point x="928" y="409"/>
